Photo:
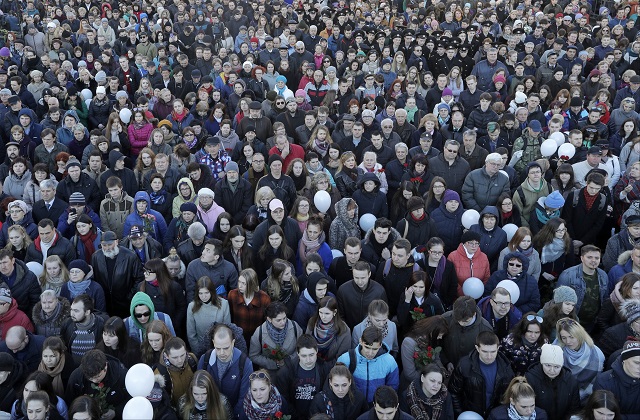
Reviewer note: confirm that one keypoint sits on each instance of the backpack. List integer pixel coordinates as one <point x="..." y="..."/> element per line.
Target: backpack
<point x="520" y="192"/>
<point x="352" y="361"/>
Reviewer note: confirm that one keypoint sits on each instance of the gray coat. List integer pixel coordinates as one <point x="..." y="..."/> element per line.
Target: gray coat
<point x="223" y="274"/>
<point x="256" y="347"/>
<point x="481" y="190"/>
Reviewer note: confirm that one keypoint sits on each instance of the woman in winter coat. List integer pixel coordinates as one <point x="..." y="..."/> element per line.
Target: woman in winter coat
<point x="469" y="261"/>
<point x="99" y="109"/>
<point x="186" y="194"/>
<point x="81" y="282"/>
<point x="563" y="305"/>
<point x="369" y="197"/>
<point x="207" y="308"/>
<point x="518" y="403"/>
<point x="282" y="286"/>
<point x="523" y="344"/>
<point x="556" y="389"/>
<point x="448" y="220"/>
<point x="417" y="227"/>
<point x="274" y="247"/>
<point x="276" y="332"/>
<point x="441" y="271"/>
<point x="31" y="192"/>
<point x="18" y="215"/>
<point x="555" y="247"/>
<point x="348" y="175"/>
<point x="19" y="176"/>
<point x="417" y="295"/>
<point x="116" y="342"/>
<point x="398" y="205"/>
<point x="514" y="268"/>
<point x="340" y="397"/>
<point x="87" y="239"/>
<point x="628" y="287"/>
<point x="317" y="288"/>
<point x="427" y="396"/>
<point x="139" y="132"/>
<point x="165" y="293"/>
<point x="522" y="241"/>
<point x="345" y="224"/>
<point x="419" y="173"/>
<point x="426" y="332"/>
<point x="60" y="367"/>
<point x="492" y="238"/>
<point x="331" y="333"/>
<point x="161" y="200"/>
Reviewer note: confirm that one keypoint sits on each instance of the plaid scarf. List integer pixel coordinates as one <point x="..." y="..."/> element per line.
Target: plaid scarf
<point x="255" y="411"/>
<point x="308" y="246"/>
<point x="418" y="406"/>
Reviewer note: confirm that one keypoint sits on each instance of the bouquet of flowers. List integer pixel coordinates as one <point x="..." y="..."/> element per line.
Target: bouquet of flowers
<point x="416" y="181"/>
<point x="417" y="313"/>
<point x="274" y="353"/>
<point x="149" y="220"/>
<point x="423" y="357"/>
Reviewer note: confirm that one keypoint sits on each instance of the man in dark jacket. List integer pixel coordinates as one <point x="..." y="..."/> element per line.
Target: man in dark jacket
<point x="211" y="264"/>
<point x="49" y="206"/>
<point x="83" y="330"/>
<point x="417" y="226"/>
<point x="117" y="169"/>
<point x="24" y="285"/>
<point x="396" y="272"/>
<point x="450" y="166"/>
<point x="98" y="368"/>
<point x="377" y="242"/>
<point x="145" y="247"/>
<point x="24" y="346"/>
<point x="282" y="185"/>
<point x="355" y="295"/>
<point x="481" y="378"/>
<point x="234" y="193"/>
<point x="480" y="117"/>
<point x="584" y="218"/>
<point x="119" y="271"/>
<point x="302" y="376"/>
<point x="50" y="242"/>
<point x="77" y="181"/>
<point x="622" y="380"/>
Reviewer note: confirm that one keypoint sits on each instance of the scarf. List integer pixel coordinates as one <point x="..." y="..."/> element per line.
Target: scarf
<point x="552" y="251"/>
<point x="590" y="199"/>
<point x="139" y="125"/>
<point x="385" y="329"/>
<point x="324" y="335"/>
<point x="411" y="112"/>
<point x="54" y="283"/>
<point x="87" y="243"/>
<point x="320" y="148"/>
<point x="513" y="414"/>
<point x="543" y="216"/>
<point x="278" y="336"/>
<point x="54" y="373"/>
<point x="181" y="229"/>
<point x="158" y="198"/>
<point x="308" y="246"/>
<point x="352" y="173"/>
<point x="437" y="276"/>
<point x="299" y="180"/>
<point x="584" y="363"/>
<point x="255" y="411"/>
<point x="78" y="288"/>
<point x="418" y="405"/>
<point x="526" y="252"/>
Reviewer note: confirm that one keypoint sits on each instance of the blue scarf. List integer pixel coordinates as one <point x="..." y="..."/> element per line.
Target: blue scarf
<point x="76" y="289"/>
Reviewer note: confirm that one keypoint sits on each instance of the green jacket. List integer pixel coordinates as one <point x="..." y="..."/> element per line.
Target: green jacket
<point x="530" y="147"/>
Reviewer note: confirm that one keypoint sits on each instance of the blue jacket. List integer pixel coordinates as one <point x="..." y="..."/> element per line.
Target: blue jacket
<point x="370" y="374"/>
<point x="617" y="271"/>
<point x="572" y="277"/>
<point x="232" y="385"/>
<point x="624" y="387"/>
<point x="136" y="333"/>
<point x="529" y="300"/>
<point x="68" y="230"/>
<point x="157" y="228"/>
<point x="491" y="243"/>
<point x="63" y="134"/>
<point x="94" y="291"/>
<point x="449" y="225"/>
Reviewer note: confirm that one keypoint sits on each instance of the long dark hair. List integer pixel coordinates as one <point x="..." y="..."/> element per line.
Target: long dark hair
<point x="330" y="303"/>
<point x="157" y="266"/>
<point x="520" y="329"/>
<point x="115" y="325"/>
<point x="547" y="233"/>
<point x="428" y="329"/>
<point x="565" y="168"/>
<point x="601" y="399"/>
<point x="245" y="255"/>
<point x="205" y="282"/>
<point x="284" y="250"/>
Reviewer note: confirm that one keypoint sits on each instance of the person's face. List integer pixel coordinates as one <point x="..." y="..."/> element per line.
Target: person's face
<point x="74" y="173"/>
<point x="307" y="358"/>
<point x="533" y="333"/>
<point x="49" y="303"/>
<point x="381" y="234"/>
<point x="279" y="321"/>
<point x="46" y="233"/>
<point x="260" y="390"/>
<point x="568" y="340"/>
<point x="110" y="339"/>
<point x="223" y="344"/>
<point x="177" y="357"/>
<point x="525" y="406"/>
<point x="399" y="256"/>
<point x="50" y="358"/>
<point x="487" y="353"/>
<point x="155" y="341"/>
<point x="340" y="385"/>
<point x="431" y="383"/>
<point x="591" y="259"/>
<point x="37" y="410"/>
<point x="142" y="313"/>
<point x="78" y="313"/>
<point x="603" y="414"/>
<point x="489" y="222"/>
<point x="361" y="278"/>
<point x="551" y="370"/>
<point x="275" y="240"/>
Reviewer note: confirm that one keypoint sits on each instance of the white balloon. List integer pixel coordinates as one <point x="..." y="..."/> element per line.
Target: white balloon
<point x="548" y="147"/>
<point x="470" y="415"/>
<point x="473" y="287"/>
<point x="510" y="230"/>
<point x="470" y="218"/>
<point x="513" y="289"/>
<point x="125" y="115"/>
<point x="503" y="172"/>
<point x="86" y="94"/>
<point x="336" y="253"/>
<point x="367" y="221"/>
<point x="139" y="380"/>
<point x="322" y="201"/>
<point x="558" y="137"/>
<point x="567" y="150"/>
<point x="35" y="267"/>
<point x="138" y="408"/>
<point x="87" y="102"/>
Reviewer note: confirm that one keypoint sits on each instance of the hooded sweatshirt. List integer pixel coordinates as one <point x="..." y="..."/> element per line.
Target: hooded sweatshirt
<point x="65" y="135"/>
<point x="151" y="221"/>
<point x="134" y="328"/>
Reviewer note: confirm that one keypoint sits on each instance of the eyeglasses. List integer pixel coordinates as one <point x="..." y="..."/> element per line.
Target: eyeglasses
<point x="259" y="375"/>
<point x="143" y="315"/>
<point x="515" y="265"/>
<point x="566" y="322"/>
<point x="536" y="317"/>
<point x="502" y="304"/>
<point x="436" y="252"/>
<point x="473" y="243"/>
<point x="147" y="271"/>
<point x="279" y="103"/>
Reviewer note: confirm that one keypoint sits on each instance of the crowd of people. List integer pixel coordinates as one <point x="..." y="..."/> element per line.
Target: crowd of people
<point x="284" y="209"/>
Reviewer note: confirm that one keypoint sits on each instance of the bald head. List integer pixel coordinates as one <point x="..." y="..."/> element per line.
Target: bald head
<point x="16" y="339"/>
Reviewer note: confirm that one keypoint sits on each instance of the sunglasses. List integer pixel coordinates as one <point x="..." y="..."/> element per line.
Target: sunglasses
<point x="143" y="315"/>
<point x="536" y="317"/>
<point x="259" y="375"/>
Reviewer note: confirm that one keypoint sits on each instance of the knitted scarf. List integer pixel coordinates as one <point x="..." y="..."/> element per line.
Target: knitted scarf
<point x="590" y="199"/>
<point x="324" y="334"/>
<point x="584" y="363"/>
<point x="87" y="243"/>
<point x="54" y="283"/>
<point x="526" y="252"/>
<point x="278" y="336"/>
<point x="54" y="373"/>
<point x="544" y="217"/>
<point x="255" y="411"/>
<point x="78" y="288"/>
<point x="418" y="406"/>
<point x="552" y="251"/>
<point x="181" y="229"/>
<point x="514" y="415"/>
<point x="158" y="198"/>
<point x="308" y="246"/>
<point x="437" y="276"/>
<point x="385" y="329"/>
<point x="320" y="147"/>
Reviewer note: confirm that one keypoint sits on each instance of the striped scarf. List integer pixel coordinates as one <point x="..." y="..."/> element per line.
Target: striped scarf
<point x="418" y="406"/>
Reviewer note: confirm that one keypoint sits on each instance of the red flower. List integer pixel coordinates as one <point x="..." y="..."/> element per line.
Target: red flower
<point x="429" y="354"/>
<point x="429" y="348"/>
<point x="273" y="352"/>
<point x="381" y="170"/>
<point x="406" y="164"/>
<point x="564" y="157"/>
<point x="264" y="346"/>
<point x="278" y="414"/>
<point x="101" y="385"/>
<point x="415" y="354"/>
<point x="418" y="309"/>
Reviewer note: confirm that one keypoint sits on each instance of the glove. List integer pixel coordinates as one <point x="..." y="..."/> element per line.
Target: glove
<point x="515" y="158"/>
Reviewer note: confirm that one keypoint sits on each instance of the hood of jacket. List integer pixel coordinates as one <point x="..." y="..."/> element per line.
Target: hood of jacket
<point x="187" y="181"/>
<point x="341" y="209"/>
<point x="141" y="195"/>
<point x="29" y="113"/>
<point x="114" y="155"/>
<point x="369" y="176"/>
<point x="312" y="282"/>
<point x="519" y="255"/>
<point x="71" y="113"/>
<point x="141" y="298"/>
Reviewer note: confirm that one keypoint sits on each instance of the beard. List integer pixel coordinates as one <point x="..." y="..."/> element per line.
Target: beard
<point x="111" y="254"/>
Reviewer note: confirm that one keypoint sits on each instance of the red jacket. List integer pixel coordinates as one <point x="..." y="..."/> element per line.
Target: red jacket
<point x="295" y="151"/>
<point x="13" y="317"/>
<point x="477" y="266"/>
<point x="139" y="138"/>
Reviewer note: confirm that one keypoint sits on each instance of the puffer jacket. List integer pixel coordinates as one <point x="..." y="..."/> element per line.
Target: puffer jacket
<point x="479" y="119"/>
<point x="481" y="190"/>
<point x="14" y="185"/>
<point x="342" y="226"/>
<point x="559" y="397"/>
<point x="374" y="202"/>
<point x="12" y="318"/>
<point x="152" y="222"/>
<point x="48" y="327"/>
<point x="65" y="135"/>
<point x="476" y="266"/>
<point x="529" y="300"/>
<point x="468" y="386"/>
<point x="491" y="242"/>
<point x="139" y="137"/>
<point x="99" y="112"/>
<point x="461" y="340"/>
